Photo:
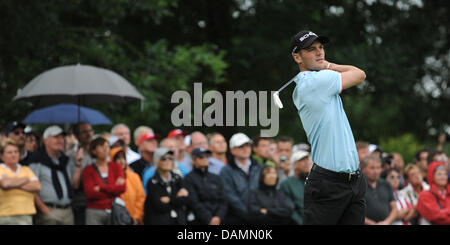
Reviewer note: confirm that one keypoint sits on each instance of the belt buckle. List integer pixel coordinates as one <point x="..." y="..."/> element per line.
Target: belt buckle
<point x="350" y="176"/>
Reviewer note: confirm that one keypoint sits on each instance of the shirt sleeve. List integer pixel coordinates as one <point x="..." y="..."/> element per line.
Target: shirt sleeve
<point x="35" y="168"/>
<point x="329" y="82"/>
<point x="30" y="174"/>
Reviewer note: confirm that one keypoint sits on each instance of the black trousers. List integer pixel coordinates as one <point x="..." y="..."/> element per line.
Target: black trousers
<point x="333" y="200"/>
<point x="79" y="215"/>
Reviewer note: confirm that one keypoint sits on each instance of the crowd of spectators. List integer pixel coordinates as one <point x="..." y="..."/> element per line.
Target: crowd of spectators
<point x="60" y="178"/>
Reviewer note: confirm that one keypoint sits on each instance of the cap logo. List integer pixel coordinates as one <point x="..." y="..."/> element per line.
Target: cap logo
<point x="307" y="35"/>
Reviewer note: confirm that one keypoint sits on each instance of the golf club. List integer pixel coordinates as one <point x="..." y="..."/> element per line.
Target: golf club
<point x="276" y="97"/>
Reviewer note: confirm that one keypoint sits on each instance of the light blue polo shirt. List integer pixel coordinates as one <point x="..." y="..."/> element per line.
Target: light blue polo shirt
<point x="319" y="106"/>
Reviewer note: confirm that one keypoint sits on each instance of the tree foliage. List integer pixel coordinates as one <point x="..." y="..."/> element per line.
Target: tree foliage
<point x="163" y="46"/>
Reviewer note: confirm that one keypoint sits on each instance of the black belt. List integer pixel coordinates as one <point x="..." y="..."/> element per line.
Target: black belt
<point x="338" y="176"/>
<point x="52" y="205"/>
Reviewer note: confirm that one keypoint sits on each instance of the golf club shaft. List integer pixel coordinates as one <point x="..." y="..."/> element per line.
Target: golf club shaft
<point x="287" y="84"/>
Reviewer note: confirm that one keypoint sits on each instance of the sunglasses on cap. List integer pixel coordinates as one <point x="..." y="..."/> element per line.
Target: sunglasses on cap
<point x="201" y="156"/>
<point x="166" y="158"/>
<point x="17" y="132"/>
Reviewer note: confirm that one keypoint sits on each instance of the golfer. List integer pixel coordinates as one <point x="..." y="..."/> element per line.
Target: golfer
<point x="335" y="187"/>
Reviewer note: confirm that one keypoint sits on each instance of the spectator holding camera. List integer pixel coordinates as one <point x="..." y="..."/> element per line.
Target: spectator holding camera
<point x="284" y="152"/>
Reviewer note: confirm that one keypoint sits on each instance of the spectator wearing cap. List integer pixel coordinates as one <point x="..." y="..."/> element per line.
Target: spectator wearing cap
<point x="149" y="172"/>
<point x="148" y="143"/>
<point x="17" y="187"/>
<point x="103" y="182"/>
<point x="434" y="204"/>
<point x="134" y="195"/>
<point x="261" y="152"/>
<point x="218" y="148"/>
<point x="139" y="131"/>
<point x="167" y="197"/>
<point x="197" y="139"/>
<point x="267" y="205"/>
<point x="50" y="165"/>
<point x="381" y="204"/>
<point x="294" y="186"/>
<point x="284" y="153"/>
<point x="375" y="150"/>
<point x="239" y="177"/>
<point x="206" y="192"/>
<point x="16" y="132"/>
<point x="79" y="159"/>
<point x="181" y="156"/>
<point x="123" y="132"/>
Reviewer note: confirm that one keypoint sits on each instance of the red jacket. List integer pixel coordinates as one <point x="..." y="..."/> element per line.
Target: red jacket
<point x="102" y="199"/>
<point x="427" y="205"/>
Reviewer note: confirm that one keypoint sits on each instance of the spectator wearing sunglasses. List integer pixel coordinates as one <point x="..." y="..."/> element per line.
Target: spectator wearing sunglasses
<point x="406" y="211"/>
<point x="16" y="132"/>
<point x="206" y="192"/>
<point x="167" y="198"/>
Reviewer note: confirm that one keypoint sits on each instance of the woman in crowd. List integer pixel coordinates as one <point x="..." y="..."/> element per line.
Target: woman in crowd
<point x="267" y="205"/>
<point x="434" y="204"/>
<point x="406" y="212"/>
<point x="415" y="186"/>
<point x="99" y="194"/>
<point x="17" y="187"/>
<point x="134" y="195"/>
<point x="166" y="196"/>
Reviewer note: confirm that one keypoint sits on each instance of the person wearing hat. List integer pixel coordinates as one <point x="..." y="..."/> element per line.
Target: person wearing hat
<point x="134" y="195"/>
<point x="336" y="173"/>
<point x="206" y="192"/>
<point x="16" y="132"/>
<point x="172" y="145"/>
<point x="434" y="205"/>
<point x="239" y="177"/>
<point x="148" y="142"/>
<point x="182" y="156"/>
<point x="50" y="165"/>
<point x="167" y="198"/>
<point x="294" y="186"/>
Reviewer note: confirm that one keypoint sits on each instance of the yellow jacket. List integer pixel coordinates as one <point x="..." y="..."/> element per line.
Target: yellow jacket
<point x="134" y="195"/>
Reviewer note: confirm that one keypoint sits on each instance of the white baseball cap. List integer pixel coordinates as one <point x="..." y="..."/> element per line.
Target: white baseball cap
<point x="53" y="131"/>
<point x="299" y="155"/>
<point x="239" y="139"/>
